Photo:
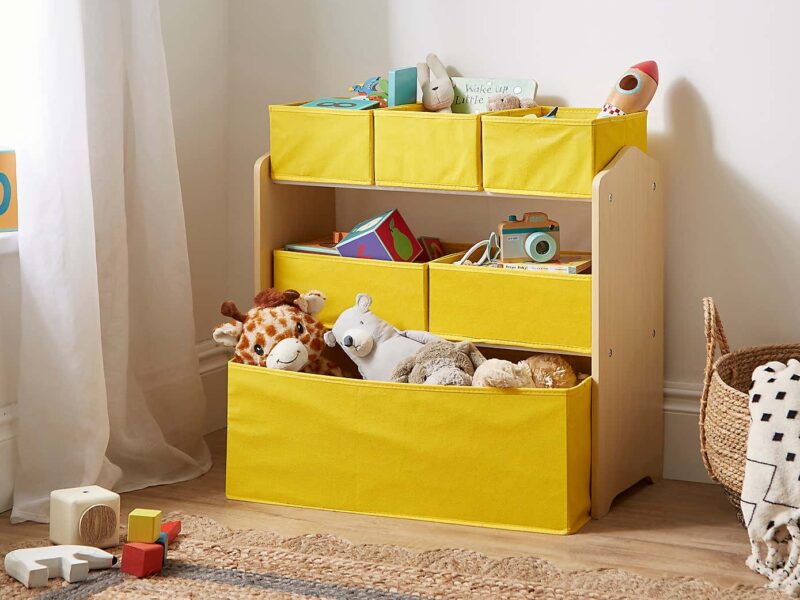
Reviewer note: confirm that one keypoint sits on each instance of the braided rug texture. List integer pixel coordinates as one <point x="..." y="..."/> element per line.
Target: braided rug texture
<point x="209" y="560"/>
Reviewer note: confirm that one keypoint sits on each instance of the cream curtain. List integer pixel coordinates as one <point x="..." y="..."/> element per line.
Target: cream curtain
<point x="109" y="387"/>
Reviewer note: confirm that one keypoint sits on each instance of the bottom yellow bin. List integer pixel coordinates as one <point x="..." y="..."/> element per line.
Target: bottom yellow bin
<point x="512" y="459"/>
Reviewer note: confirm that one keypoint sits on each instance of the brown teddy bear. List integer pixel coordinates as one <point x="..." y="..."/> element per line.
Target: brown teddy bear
<point x="537" y="371"/>
<point x="440" y="363"/>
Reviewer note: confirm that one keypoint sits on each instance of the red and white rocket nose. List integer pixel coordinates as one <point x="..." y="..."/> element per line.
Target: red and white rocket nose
<point x="649" y="67"/>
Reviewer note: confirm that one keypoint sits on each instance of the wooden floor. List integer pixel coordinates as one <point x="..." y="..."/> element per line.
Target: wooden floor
<point x="667" y="529"/>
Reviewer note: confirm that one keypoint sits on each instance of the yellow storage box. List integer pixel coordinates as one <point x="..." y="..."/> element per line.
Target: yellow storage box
<point x="420" y="149"/>
<point x="399" y="290"/>
<point x="549" y="311"/>
<point x="554" y="157"/>
<point x="515" y="459"/>
<point x="323" y="145"/>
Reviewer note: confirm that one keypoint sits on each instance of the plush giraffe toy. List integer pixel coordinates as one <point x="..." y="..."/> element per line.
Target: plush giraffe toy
<point x="280" y="332"/>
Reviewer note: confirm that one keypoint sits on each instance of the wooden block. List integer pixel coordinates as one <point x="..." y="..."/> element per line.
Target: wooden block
<point x="87" y="515"/>
<point x="144" y="525"/>
<point x="172" y="529"/>
<point x="142" y="560"/>
<point x="163" y="541"/>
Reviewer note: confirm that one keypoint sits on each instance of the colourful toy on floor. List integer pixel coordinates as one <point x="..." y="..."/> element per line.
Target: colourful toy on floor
<point x="86" y="515"/>
<point x="8" y="190"/>
<point x="373" y="344"/>
<point x="142" y="560"/>
<point x="534" y="238"/>
<point x="437" y="88"/>
<point x="172" y="529"/>
<point x="633" y="91"/>
<point x="440" y="363"/>
<point x="144" y="525"/>
<point x="280" y="332"/>
<point x="385" y="237"/>
<point x="537" y="371"/>
<point x="34" y="566"/>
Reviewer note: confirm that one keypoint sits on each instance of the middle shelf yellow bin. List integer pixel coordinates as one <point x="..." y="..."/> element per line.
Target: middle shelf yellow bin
<point x="515" y="459"/>
<point x="547" y="311"/>
<point x="419" y="149"/>
<point x="399" y="290"/>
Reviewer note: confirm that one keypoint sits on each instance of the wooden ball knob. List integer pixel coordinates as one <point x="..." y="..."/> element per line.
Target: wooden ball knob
<point x="98" y="523"/>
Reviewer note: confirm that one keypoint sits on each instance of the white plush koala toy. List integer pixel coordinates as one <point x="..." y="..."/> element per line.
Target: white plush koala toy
<point x="437" y="88"/>
<point x="373" y="344"/>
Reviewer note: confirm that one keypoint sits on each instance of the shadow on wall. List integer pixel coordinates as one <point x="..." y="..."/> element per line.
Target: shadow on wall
<point x="723" y="237"/>
<point x="285" y="52"/>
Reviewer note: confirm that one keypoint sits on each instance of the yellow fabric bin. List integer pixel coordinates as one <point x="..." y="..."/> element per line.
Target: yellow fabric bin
<point x="323" y="145"/>
<point x="419" y="149"/>
<point x="554" y="157"/>
<point x="549" y="311"/>
<point x="399" y="290"/>
<point x="513" y="459"/>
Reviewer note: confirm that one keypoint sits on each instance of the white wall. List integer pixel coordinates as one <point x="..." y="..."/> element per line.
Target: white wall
<point x="720" y="124"/>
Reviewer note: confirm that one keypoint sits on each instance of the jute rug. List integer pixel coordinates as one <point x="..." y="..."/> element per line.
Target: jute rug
<point x="212" y="561"/>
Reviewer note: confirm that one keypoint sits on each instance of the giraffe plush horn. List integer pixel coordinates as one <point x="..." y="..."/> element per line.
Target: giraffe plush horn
<point x="229" y="309"/>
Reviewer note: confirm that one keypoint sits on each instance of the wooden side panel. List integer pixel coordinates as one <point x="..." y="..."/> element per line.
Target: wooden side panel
<point x="627" y="326"/>
<point x="295" y="212"/>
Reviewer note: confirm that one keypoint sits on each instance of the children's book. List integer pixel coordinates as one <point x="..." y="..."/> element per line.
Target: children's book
<point x="572" y="263"/>
<point x="403" y="86"/>
<point x="326" y="246"/>
<point x="343" y="103"/>
<point x="473" y="93"/>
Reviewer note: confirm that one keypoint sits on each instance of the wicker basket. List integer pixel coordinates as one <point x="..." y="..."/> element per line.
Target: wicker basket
<point x="724" y="412"/>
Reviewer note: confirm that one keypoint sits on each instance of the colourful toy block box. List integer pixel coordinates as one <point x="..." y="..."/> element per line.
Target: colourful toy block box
<point x="516" y="459"/>
<point x="554" y="157"/>
<point x="419" y="149"/>
<point x="385" y="237"/>
<point x="8" y="190"/>
<point x="321" y="145"/>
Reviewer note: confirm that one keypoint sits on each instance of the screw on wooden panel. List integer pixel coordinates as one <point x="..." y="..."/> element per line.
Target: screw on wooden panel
<point x="611" y="197"/>
<point x="610" y="352"/>
<point x="654" y="333"/>
<point x="654" y="186"/>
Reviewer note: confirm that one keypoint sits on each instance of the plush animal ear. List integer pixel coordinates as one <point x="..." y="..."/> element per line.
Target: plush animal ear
<point x="330" y="339"/>
<point x="363" y="301"/>
<point x="229" y="309"/>
<point x="437" y="67"/>
<point x="227" y="334"/>
<point x="423" y="74"/>
<point x="289" y="296"/>
<point x="472" y="351"/>
<point x="311" y="302"/>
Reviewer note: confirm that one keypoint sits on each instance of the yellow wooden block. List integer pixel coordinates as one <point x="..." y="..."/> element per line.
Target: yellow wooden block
<point x="8" y="190"/>
<point x="144" y="525"/>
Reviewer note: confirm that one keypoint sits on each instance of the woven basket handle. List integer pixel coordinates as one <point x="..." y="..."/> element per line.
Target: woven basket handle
<point x="715" y="338"/>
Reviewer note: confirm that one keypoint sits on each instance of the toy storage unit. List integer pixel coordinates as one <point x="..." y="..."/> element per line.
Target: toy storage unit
<point x="536" y="460"/>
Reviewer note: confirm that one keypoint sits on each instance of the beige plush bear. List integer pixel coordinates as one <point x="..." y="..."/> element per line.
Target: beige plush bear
<point x="440" y="363"/>
<point x="538" y="371"/>
<point x="508" y="102"/>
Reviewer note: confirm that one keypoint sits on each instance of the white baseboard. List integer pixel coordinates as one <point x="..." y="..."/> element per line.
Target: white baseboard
<point x="213" y="360"/>
<point x="681" y="434"/>
<point x="8" y="454"/>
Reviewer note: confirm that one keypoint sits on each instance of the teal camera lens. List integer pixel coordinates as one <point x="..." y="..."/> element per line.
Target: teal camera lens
<point x="541" y="246"/>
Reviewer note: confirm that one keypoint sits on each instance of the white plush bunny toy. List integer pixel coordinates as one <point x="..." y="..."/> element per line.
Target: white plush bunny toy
<point x="437" y="88"/>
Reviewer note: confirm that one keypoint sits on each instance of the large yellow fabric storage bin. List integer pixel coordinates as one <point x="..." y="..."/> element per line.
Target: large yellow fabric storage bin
<point x="549" y="311"/>
<point x="420" y="149"/>
<point x="515" y="459"/>
<point x="324" y="145"/>
<point x="399" y="290"/>
<point x="554" y="157"/>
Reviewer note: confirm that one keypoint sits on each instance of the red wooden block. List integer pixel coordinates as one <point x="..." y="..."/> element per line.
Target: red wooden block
<point x="142" y="560"/>
<point x="172" y="529"/>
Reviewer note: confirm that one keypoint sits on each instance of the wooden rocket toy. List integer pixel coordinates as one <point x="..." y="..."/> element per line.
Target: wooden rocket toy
<point x="633" y="91"/>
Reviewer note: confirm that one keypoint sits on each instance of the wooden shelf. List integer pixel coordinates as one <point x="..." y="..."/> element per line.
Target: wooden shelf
<point x="380" y="188"/>
<point x="627" y="301"/>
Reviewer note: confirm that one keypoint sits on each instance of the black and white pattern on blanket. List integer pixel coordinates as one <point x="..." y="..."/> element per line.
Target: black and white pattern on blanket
<point x="771" y="490"/>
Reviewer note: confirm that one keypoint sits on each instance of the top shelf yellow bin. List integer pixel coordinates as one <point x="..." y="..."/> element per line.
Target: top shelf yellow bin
<point x="321" y="145"/>
<point x="554" y="157"/>
<point x="419" y="149"/>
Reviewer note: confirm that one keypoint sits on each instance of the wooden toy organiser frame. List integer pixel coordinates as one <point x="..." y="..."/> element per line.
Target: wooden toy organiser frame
<point x="627" y="302"/>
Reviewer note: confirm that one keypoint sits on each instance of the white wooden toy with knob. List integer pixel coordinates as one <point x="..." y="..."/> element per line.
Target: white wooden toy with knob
<point x="87" y="515"/>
